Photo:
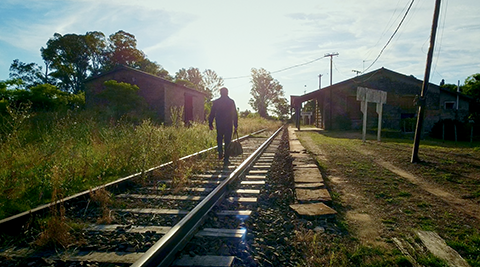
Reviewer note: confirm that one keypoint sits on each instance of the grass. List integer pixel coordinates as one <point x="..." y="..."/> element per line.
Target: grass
<point x="83" y="152"/>
<point x="400" y="205"/>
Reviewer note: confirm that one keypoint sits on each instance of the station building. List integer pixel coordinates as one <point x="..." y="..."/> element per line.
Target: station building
<point x="337" y="107"/>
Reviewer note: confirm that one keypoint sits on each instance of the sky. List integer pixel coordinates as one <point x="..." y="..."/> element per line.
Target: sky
<point x="287" y="38"/>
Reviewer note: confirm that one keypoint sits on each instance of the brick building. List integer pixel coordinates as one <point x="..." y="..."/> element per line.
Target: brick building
<point x="337" y="107"/>
<point x="161" y="95"/>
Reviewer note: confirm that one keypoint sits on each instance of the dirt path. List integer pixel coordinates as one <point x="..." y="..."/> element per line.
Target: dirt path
<point x="461" y="204"/>
<point x="361" y="217"/>
<point x="362" y="214"/>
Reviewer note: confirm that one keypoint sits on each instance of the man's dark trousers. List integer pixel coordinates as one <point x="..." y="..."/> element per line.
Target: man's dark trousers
<point x="224" y="134"/>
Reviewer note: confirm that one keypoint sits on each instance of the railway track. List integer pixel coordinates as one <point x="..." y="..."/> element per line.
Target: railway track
<point x="188" y="212"/>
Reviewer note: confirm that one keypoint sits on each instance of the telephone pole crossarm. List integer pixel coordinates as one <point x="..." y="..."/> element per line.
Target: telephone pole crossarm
<point x="331" y="55"/>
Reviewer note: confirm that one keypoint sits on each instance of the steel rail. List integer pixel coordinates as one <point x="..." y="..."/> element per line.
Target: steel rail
<point x="162" y="253"/>
<point x="15" y="223"/>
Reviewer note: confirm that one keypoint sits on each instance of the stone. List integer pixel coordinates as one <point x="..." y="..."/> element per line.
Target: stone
<point x="309" y="185"/>
<point x="438" y="247"/>
<point x="307" y="175"/>
<point x="313" y="210"/>
<point x="309" y="195"/>
<point x="311" y="165"/>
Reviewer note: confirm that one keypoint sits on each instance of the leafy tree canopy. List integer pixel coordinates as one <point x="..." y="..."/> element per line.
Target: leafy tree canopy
<point x="72" y="58"/>
<point x="472" y="89"/>
<point x="449" y="86"/>
<point x="472" y="86"/>
<point x="30" y="74"/>
<point x="68" y="57"/>
<point x="265" y="92"/>
<point x="207" y="81"/>
<point x="212" y="83"/>
<point x="282" y="108"/>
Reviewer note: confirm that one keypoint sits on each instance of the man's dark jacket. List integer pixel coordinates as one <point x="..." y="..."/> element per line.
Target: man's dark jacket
<point x="224" y="112"/>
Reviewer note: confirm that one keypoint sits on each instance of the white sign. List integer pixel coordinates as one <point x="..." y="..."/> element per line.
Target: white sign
<point x="375" y="96"/>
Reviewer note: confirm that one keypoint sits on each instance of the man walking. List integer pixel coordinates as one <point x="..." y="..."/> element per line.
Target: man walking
<point x="224" y="112"/>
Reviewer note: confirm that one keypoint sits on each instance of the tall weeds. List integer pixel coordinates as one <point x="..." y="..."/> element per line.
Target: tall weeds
<point x="56" y="230"/>
<point x="86" y="151"/>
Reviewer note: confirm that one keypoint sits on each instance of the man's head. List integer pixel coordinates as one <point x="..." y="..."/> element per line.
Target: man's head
<point x="224" y="91"/>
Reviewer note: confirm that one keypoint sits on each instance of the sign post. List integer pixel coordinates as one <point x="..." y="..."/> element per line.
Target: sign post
<point x="374" y="96"/>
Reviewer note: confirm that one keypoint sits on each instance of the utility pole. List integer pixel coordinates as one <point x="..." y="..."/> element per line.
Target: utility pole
<point x="422" y="100"/>
<point x="320" y="81"/>
<point x="331" y="55"/>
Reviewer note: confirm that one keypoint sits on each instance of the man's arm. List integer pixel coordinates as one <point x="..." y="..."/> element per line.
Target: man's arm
<point x="235" y="116"/>
<point x="212" y="116"/>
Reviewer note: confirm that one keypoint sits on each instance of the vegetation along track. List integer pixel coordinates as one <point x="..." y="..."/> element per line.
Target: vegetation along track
<point x="142" y="219"/>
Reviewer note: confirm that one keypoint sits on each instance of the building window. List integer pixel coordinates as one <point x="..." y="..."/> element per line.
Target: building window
<point x="450" y="105"/>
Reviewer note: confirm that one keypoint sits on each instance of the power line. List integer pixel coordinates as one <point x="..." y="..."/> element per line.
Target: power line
<point x="291" y="67"/>
<point x="384" y="30"/>
<point x="442" y="29"/>
<point x="298" y="65"/>
<point x="391" y="37"/>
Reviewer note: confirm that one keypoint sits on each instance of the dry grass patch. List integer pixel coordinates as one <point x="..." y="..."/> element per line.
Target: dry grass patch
<point x="103" y="199"/>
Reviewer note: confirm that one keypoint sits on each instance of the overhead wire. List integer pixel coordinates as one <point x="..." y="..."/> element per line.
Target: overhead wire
<point x="387" y="26"/>
<point x="317" y="59"/>
<point x="442" y="30"/>
<point x="277" y="71"/>
<point x="393" y="35"/>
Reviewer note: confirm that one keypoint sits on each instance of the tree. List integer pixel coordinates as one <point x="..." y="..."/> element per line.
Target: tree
<point x="282" y="108"/>
<point x="265" y="91"/>
<point x="30" y="74"/>
<point x="212" y="83"/>
<point x="123" y="50"/>
<point x="69" y="57"/>
<point x="153" y="68"/>
<point x="207" y="81"/>
<point x="450" y="87"/>
<point x="472" y="89"/>
<point x="73" y="58"/>
<point x="472" y="86"/>
<point x="193" y="75"/>
<point x="97" y="47"/>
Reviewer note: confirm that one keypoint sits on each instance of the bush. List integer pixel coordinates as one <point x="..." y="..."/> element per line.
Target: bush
<point x="122" y="98"/>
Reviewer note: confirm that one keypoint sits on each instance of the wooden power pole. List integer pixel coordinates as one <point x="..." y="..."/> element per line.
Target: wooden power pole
<point x="422" y="100"/>
<point x="331" y="55"/>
